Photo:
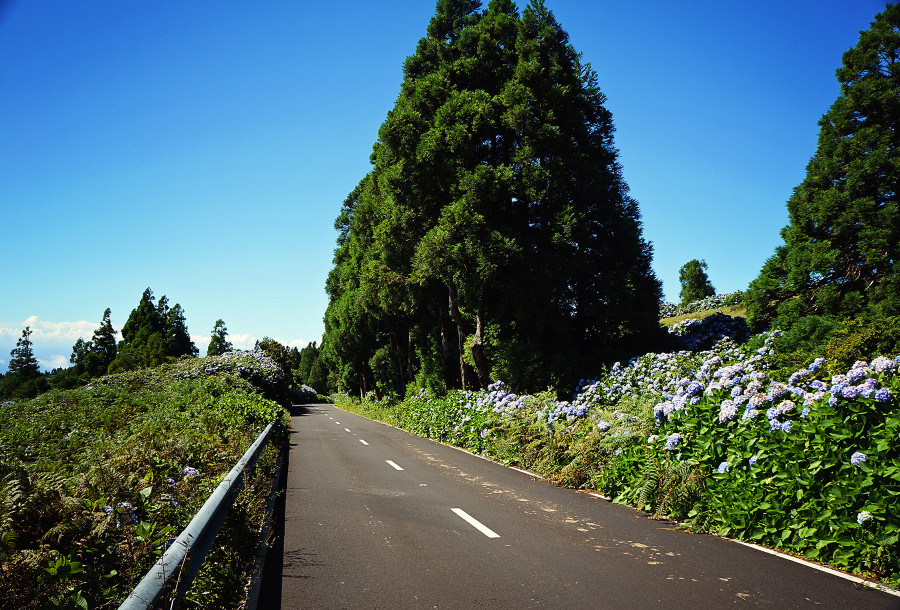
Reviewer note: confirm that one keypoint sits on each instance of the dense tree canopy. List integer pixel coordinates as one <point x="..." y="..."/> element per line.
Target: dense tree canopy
<point x="153" y="334"/>
<point x="494" y="235"/>
<point x="695" y="284"/>
<point x="840" y="255"/>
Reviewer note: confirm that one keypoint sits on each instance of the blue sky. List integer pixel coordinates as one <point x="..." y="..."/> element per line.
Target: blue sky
<point x="203" y="149"/>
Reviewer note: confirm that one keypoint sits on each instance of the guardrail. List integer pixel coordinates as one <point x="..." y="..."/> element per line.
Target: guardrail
<point x="171" y="576"/>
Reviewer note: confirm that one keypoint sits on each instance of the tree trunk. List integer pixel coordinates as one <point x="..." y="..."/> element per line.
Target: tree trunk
<point x="482" y="367"/>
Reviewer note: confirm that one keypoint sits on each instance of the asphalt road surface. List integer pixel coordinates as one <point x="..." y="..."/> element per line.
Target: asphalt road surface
<point x="374" y="517"/>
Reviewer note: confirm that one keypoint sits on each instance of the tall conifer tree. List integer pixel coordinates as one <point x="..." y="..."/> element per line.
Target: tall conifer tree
<point x="495" y="227"/>
<point x="841" y="248"/>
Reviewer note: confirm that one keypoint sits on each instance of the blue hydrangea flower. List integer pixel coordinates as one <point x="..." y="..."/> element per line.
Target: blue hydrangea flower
<point x="804" y="413"/>
<point x="858" y="458"/>
<point x="190" y="471"/>
<point x="724" y="466"/>
<point x="753" y="460"/>
<point x="603" y="425"/>
<point x="883" y="395"/>
<point x="673" y="440"/>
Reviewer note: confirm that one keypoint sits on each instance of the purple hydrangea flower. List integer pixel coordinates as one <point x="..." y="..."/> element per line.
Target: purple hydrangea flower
<point x="883" y="395"/>
<point x="850" y="391"/>
<point x="858" y="458"/>
<point x="190" y="471"/>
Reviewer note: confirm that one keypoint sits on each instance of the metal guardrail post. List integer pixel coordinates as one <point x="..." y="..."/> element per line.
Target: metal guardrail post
<point x="169" y="578"/>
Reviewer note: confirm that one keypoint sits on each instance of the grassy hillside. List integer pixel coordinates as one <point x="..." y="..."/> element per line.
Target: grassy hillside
<point x="94" y="480"/>
<point x="731" y="310"/>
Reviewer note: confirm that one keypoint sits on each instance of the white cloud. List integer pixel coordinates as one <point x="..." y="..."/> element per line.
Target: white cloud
<point x="202" y="343"/>
<point x="54" y="361"/>
<point x="242" y="341"/>
<point x="52" y="331"/>
<point x="298" y="343"/>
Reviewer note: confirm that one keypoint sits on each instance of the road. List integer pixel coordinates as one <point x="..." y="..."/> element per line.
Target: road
<point x="374" y="517"/>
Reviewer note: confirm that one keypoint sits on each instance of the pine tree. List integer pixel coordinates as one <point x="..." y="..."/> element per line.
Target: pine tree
<point x="24" y="379"/>
<point x="218" y="341"/>
<point x="695" y="284"/>
<point x="178" y="339"/>
<point x="104" y="343"/>
<point x="22" y="360"/>
<point x="841" y="251"/>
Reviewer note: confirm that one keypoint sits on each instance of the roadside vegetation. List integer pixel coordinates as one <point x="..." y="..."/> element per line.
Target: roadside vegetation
<point x="714" y="436"/>
<point x="95" y="480"/>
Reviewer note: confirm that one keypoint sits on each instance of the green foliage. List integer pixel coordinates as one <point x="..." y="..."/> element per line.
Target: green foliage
<point x="840" y="254"/>
<point x="695" y="284"/>
<point x="94" y="480"/>
<point x="152" y="335"/>
<point x="218" y="340"/>
<point x="494" y="171"/>
<point x="91" y="358"/>
<point x="23" y="380"/>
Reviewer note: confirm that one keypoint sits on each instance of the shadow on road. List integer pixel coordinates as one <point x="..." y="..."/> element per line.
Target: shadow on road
<point x="301" y="410"/>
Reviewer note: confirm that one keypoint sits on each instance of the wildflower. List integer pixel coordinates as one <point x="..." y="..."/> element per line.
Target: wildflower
<point x="816" y="364"/>
<point x="863" y="516"/>
<point x="881" y="364"/>
<point x="723" y="467"/>
<point x="673" y="440"/>
<point x="171" y="482"/>
<point x="108" y="509"/>
<point x="728" y="411"/>
<point x="858" y="458"/>
<point x="190" y="471"/>
<point x="850" y="392"/>
<point x="750" y="413"/>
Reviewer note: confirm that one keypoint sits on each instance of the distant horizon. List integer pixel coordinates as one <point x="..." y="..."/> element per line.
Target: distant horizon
<point x="206" y="151"/>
